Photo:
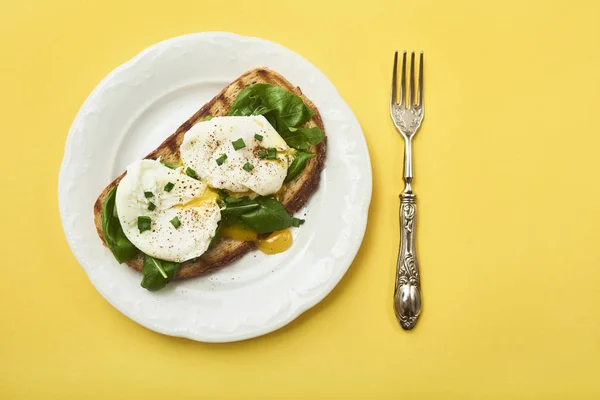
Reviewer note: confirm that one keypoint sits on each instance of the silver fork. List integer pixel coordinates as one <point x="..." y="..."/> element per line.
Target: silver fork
<point x="407" y="115"/>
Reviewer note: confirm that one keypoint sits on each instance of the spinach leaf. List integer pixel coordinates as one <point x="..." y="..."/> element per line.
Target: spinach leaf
<point x="217" y="234"/>
<point x="300" y="138"/>
<point x="300" y="160"/>
<point x="116" y="240"/>
<point x="234" y="207"/>
<point x="284" y="106"/>
<point x="283" y="109"/>
<point x="171" y="165"/>
<point x="270" y="216"/>
<point x="157" y="273"/>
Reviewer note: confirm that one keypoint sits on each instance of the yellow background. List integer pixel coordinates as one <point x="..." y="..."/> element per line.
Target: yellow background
<point x="507" y="167"/>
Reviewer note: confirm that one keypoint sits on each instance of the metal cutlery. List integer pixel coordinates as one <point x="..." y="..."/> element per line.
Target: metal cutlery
<point x="407" y="115"/>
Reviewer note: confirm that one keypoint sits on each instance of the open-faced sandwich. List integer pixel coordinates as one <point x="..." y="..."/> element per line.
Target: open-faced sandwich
<point x="228" y="181"/>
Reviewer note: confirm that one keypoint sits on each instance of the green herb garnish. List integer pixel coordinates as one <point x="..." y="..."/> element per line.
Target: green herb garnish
<point x="169" y="186"/>
<point x="221" y="159"/>
<point x="248" y="167"/>
<point x="144" y="223"/>
<point x="171" y="165"/>
<point x="191" y="173"/>
<point x="271" y="153"/>
<point x="238" y="144"/>
<point x="151" y="206"/>
<point x="258" y="137"/>
<point x="148" y="194"/>
<point x="296" y="222"/>
<point x="175" y="222"/>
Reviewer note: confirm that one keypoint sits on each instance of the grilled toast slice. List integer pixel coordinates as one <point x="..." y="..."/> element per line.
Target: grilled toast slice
<point x="293" y="195"/>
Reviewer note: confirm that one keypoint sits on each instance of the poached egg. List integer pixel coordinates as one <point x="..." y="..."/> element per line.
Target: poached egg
<point x="183" y="211"/>
<point x="230" y="153"/>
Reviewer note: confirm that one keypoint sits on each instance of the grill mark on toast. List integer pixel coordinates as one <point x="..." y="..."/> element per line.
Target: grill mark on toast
<point x="301" y="188"/>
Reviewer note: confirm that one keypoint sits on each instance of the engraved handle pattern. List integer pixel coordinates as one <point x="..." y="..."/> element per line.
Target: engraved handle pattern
<point x="407" y="291"/>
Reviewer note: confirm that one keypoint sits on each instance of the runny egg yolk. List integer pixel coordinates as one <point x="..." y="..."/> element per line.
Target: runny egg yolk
<point x="206" y="196"/>
<point x="239" y="232"/>
<point x="276" y="242"/>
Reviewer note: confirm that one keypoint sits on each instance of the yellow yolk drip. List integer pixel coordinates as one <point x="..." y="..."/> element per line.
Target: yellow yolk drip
<point x="276" y="242"/>
<point x="205" y="197"/>
<point x="239" y="233"/>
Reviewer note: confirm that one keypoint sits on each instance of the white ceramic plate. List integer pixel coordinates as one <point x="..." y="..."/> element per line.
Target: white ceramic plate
<point x="142" y="102"/>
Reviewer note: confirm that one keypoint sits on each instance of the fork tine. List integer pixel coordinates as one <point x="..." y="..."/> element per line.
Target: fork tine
<point x="394" y="100"/>
<point x="420" y="102"/>
<point x="403" y="82"/>
<point x="411" y="99"/>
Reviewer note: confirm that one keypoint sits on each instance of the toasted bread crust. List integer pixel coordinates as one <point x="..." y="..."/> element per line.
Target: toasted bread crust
<point x="293" y="195"/>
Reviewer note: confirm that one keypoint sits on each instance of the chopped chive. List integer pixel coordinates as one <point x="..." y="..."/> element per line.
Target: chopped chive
<point x="170" y="164"/>
<point x="151" y="206"/>
<point x="248" y="167"/>
<point x="144" y="223"/>
<point x="271" y="153"/>
<point x="191" y="173"/>
<point x="221" y="159"/>
<point x="296" y="222"/>
<point x="175" y="222"/>
<point x="238" y="144"/>
<point x="258" y="137"/>
<point x="148" y="194"/>
<point x="208" y="118"/>
<point x="263" y="153"/>
<point x="169" y="186"/>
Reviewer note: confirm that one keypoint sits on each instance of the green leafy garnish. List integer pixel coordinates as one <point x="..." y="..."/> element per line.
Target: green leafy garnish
<point x="238" y="144"/>
<point x="262" y="214"/>
<point x="191" y="173"/>
<point x="171" y="165"/>
<point x="208" y="118"/>
<point x="221" y="159"/>
<point x="271" y="153"/>
<point x="279" y="106"/>
<point x="116" y="240"/>
<point x="248" y="167"/>
<point x="157" y="273"/>
<point x="236" y="206"/>
<point x="151" y="206"/>
<point x="285" y="111"/>
<point x="296" y="222"/>
<point x="263" y="153"/>
<point x="258" y="137"/>
<point x="301" y="138"/>
<point x="270" y="216"/>
<point x="148" y="194"/>
<point x="175" y="222"/>
<point x="300" y="160"/>
<point x="169" y="186"/>
<point x="144" y="223"/>
<point x="217" y="234"/>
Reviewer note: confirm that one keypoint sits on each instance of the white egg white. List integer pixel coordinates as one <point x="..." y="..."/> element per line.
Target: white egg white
<point x="163" y="241"/>
<point x="206" y="141"/>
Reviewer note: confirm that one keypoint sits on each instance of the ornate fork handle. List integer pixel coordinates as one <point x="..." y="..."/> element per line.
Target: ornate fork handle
<point x="407" y="291"/>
